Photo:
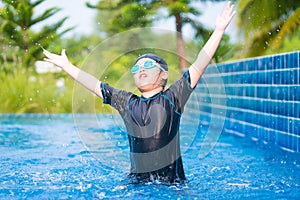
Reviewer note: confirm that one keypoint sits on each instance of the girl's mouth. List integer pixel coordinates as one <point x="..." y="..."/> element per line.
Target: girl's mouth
<point x="142" y="75"/>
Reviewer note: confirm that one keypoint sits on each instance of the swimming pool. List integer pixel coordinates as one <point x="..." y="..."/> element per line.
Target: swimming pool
<point x="44" y="157"/>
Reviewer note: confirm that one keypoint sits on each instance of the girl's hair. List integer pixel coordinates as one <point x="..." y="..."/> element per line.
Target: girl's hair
<point x="156" y="58"/>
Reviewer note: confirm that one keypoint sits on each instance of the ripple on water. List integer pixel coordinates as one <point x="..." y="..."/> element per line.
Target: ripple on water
<point x="47" y="160"/>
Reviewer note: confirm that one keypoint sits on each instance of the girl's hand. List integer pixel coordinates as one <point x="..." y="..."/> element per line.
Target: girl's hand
<point x="58" y="60"/>
<point x="224" y="19"/>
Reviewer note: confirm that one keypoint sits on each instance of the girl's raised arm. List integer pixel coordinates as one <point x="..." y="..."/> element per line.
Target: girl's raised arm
<point x="198" y="67"/>
<point x="85" y="79"/>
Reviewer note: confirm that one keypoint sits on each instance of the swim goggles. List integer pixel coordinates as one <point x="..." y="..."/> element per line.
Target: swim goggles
<point x="147" y="65"/>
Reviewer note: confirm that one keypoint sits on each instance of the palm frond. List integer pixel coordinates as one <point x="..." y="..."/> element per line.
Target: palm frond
<point x="291" y="25"/>
<point x="262" y="39"/>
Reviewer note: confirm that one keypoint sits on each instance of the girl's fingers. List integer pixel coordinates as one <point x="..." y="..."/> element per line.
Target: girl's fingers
<point x="48" y="60"/>
<point x="46" y="52"/>
<point x="232" y="14"/>
<point x="229" y="7"/>
<point x="229" y="11"/>
<point x="63" y="52"/>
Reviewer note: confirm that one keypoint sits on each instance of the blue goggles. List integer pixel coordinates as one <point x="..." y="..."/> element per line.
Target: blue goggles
<point x="147" y="65"/>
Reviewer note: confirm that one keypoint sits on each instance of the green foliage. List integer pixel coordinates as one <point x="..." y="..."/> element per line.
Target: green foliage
<point x="177" y="8"/>
<point x="18" y="18"/>
<point x="289" y="44"/>
<point x="78" y="48"/>
<point x="119" y="16"/>
<point x="122" y="15"/>
<point x="225" y="51"/>
<point x="27" y="92"/>
<point x="131" y="15"/>
<point x="266" y="23"/>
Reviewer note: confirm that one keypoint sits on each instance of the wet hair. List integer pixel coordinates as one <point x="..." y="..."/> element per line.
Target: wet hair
<point x="164" y="83"/>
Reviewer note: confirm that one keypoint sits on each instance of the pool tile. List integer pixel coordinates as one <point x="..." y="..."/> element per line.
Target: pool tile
<point x="266" y="94"/>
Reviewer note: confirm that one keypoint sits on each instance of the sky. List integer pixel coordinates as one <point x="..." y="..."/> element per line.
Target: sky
<point x="83" y="18"/>
<point x="80" y="16"/>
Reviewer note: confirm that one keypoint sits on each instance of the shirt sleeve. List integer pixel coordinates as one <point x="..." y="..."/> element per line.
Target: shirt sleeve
<point x="118" y="99"/>
<point x="181" y="90"/>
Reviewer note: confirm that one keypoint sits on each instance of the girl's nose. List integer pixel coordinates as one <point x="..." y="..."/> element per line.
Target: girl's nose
<point x="141" y="69"/>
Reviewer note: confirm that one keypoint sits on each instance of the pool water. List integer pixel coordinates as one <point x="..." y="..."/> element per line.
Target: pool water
<point x="44" y="157"/>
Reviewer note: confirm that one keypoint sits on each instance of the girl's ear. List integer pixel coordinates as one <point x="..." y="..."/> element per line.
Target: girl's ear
<point x="164" y="75"/>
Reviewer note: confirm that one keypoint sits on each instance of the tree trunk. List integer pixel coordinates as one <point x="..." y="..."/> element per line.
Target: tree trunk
<point x="180" y="44"/>
<point x="25" y="47"/>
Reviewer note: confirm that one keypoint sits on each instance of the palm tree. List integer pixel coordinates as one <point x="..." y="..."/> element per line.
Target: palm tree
<point x="121" y="15"/>
<point x="140" y="13"/>
<point x="18" y="18"/>
<point x="265" y="23"/>
<point x="127" y="14"/>
<point x="184" y="13"/>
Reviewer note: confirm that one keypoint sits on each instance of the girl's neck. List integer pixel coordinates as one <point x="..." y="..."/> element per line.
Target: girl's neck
<point x="151" y="93"/>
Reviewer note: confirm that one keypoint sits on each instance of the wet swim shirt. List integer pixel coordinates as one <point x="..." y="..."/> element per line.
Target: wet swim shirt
<point x="152" y="126"/>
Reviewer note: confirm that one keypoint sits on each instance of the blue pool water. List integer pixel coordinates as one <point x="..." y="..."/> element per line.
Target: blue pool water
<point x="44" y="157"/>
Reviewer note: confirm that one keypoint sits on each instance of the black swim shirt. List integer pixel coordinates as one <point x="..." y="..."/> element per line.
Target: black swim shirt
<point x="152" y="126"/>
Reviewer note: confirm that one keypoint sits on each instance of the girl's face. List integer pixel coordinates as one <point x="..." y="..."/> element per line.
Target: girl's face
<point x="150" y="78"/>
